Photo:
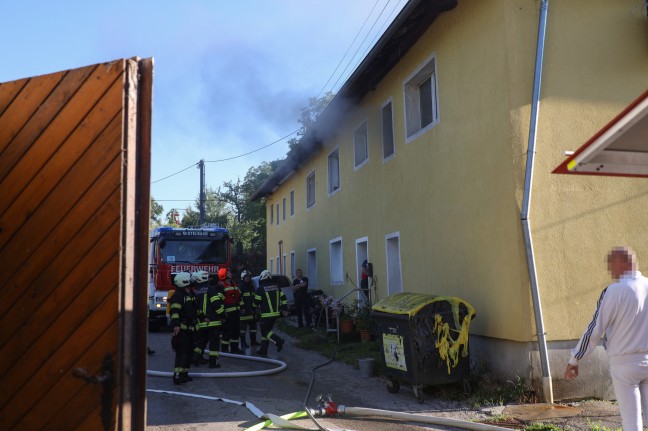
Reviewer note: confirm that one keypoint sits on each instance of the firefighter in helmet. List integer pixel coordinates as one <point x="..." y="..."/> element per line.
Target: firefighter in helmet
<point x="211" y="304"/>
<point x="232" y="301"/>
<point x="185" y="315"/>
<point x="272" y="303"/>
<point x="248" y="311"/>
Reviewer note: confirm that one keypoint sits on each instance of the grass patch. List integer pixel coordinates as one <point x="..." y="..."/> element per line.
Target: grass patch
<point x="348" y="351"/>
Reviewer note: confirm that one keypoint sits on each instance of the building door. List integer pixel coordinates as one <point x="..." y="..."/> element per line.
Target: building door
<point x="394" y="274"/>
<point x="311" y="264"/>
<point x="74" y="174"/>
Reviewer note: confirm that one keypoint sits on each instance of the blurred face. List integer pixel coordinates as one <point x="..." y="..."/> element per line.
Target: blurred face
<point x="298" y="273"/>
<point x="618" y="264"/>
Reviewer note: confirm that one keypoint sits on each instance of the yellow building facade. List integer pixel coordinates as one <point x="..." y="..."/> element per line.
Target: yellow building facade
<point x="423" y="175"/>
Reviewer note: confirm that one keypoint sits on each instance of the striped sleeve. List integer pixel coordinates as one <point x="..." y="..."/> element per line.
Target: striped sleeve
<point x="592" y="334"/>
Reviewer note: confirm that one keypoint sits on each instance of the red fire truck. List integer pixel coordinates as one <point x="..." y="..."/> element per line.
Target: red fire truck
<point x="174" y="250"/>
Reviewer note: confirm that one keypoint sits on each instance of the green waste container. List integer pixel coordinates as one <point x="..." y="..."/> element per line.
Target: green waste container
<point x="424" y="340"/>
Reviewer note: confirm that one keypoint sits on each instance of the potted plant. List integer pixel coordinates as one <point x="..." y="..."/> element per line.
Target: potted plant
<point x="365" y="323"/>
<point x="346" y="316"/>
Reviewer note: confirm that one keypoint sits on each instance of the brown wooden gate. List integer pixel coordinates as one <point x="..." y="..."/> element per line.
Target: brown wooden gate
<point x="74" y="199"/>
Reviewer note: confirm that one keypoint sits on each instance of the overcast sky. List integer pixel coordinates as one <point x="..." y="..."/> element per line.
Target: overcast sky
<point x="230" y="77"/>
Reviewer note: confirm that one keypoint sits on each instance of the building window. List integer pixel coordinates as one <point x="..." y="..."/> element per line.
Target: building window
<point x="337" y="270"/>
<point x="277" y="214"/>
<point x="421" y="100"/>
<point x="292" y="263"/>
<point x="310" y="190"/>
<point x="360" y="145"/>
<point x="270" y="266"/>
<point x="292" y="203"/>
<point x="334" y="171"/>
<point x="271" y="213"/>
<point x="283" y="270"/>
<point x="387" y="118"/>
<point x="284" y="209"/>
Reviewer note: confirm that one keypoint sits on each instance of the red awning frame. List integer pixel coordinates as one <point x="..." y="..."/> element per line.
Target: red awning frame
<point x="620" y="148"/>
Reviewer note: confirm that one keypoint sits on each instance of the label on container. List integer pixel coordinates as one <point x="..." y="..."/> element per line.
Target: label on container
<point x="394" y="351"/>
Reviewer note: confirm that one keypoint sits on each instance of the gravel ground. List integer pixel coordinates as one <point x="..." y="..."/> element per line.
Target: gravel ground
<point x="285" y="392"/>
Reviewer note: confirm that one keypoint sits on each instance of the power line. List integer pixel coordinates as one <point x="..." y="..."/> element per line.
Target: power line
<point x="169" y="176"/>
<point x="348" y="49"/>
<point x="253" y="151"/>
<point x="362" y="43"/>
<point x="229" y="158"/>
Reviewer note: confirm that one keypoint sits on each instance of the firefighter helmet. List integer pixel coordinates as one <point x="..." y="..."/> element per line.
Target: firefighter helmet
<point x="199" y="276"/>
<point x="265" y="275"/>
<point x="182" y="279"/>
<point x="222" y="274"/>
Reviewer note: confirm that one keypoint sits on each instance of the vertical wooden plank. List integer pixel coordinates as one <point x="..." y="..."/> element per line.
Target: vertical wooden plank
<point x="143" y="200"/>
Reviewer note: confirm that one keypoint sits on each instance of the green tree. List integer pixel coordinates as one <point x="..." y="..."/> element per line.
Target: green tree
<point x="216" y="210"/>
<point x="156" y="212"/>
<point x="173" y="217"/>
<point x="308" y="117"/>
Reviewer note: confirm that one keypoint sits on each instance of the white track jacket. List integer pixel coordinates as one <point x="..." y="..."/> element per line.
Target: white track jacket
<point x="622" y="314"/>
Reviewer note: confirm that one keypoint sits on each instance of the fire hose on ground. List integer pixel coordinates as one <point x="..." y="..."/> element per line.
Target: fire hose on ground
<point x="326" y="406"/>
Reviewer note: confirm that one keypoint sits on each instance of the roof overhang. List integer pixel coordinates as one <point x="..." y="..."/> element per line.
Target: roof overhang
<point x="618" y="149"/>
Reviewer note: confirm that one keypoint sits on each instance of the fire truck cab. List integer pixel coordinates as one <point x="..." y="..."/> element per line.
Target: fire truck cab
<point x="174" y="250"/>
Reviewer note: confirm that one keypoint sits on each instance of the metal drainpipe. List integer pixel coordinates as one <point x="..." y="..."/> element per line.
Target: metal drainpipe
<point x="526" y="203"/>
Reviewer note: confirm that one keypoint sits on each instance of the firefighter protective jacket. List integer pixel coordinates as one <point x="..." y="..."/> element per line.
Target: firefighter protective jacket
<point x="232" y="296"/>
<point x="270" y="300"/>
<point x="247" y="300"/>
<point x="210" y="300"/>
<point x="185" y="310"/>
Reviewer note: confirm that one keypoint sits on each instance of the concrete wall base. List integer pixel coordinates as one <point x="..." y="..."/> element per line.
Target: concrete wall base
<point x="511" y="360"/>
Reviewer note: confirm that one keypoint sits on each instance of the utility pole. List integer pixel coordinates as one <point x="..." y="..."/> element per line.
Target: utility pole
<point x="201" y="166"/>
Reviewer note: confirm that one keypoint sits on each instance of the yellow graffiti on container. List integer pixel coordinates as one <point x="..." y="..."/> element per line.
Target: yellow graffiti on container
<point x="448" y="346"/>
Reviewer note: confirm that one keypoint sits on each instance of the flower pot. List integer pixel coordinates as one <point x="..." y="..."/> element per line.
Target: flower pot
<point x="346" y="326"/>
<point x="365" y="335"/>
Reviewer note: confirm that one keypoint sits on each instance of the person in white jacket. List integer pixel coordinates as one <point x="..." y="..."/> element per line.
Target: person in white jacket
<point x="622" y="315"/>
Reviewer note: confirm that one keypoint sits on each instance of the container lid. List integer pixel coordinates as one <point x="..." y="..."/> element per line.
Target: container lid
<point x="411" y="303"/>
<point x="403" y="303"/>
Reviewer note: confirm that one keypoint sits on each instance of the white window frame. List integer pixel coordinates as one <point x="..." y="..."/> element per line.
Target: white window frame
<point x="292" y="263"/>
<point x="358" y="134"/>
<point x="277" y="213"/>
<point x="278" y="266"/>
<point x="284" y="265"/>
<point x="271" y="213"/>
<point x="412" y="98"/>
<point x="284" y="209"/>
<point x="336" y="265"/>
<point x="332" y="186"/>
<point x="389" y="102"/>
<point x="292" y="203"/>
<point x="310" y="205"/>
<point x="311" y="270"/>
<point x="271" y="266"/>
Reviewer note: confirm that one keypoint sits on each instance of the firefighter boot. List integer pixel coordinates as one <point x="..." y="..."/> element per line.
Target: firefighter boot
<point x="244" y="345"/>
<point x="186" y="377"/>
<point x="213" y="362"/>
<point x="278" y="341"/>
<point x="263" y="350"/>
<point x="180" y="378"/>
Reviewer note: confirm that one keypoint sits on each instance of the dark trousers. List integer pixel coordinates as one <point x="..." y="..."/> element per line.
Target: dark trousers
<point x="302" y="305"/>
<point x="249" y="323"/>
<point x="211" y="335"/>
<point x="266" y="325"/>
<point x="184" y="351"/>
<point x="231" y="329"/>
